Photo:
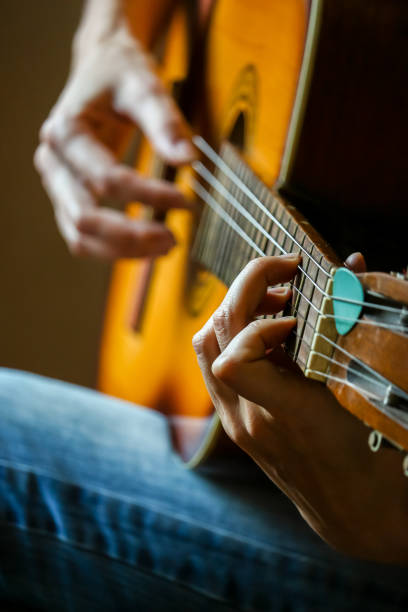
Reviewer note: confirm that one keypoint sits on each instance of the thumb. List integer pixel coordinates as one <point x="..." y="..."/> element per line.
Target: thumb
<point x="144" y="99"/>
<point x="244" y="366"/>
<point x="356" y="263"/>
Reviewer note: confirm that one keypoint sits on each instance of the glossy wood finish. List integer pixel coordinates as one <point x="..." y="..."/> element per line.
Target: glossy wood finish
<point x="156" y="365"/>
<point x="352" y="153"/>
<point x="383" y="350"/>
<point x="225" y="252"/>
<point x="251" y="69"/>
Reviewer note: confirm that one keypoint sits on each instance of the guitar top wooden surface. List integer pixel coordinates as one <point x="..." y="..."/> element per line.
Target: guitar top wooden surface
<point x="311" y="88"/>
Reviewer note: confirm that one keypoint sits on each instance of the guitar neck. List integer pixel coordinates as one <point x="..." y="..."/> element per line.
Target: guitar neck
<point x="243" y="219"/>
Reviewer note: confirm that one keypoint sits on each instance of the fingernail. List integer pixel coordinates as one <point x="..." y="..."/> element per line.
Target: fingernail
<point x="185" y="149"/>
<point x="280" y="290"/>
<point x="291" y="256"/>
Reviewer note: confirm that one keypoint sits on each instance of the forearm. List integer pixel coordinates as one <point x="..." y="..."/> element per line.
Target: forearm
<point x="102" y="18"/>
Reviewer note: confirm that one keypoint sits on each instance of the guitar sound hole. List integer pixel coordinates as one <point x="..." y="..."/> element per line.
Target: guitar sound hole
<point x="237" y="136"/>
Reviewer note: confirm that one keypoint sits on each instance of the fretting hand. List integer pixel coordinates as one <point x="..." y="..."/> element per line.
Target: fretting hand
<point x="294" y="428"/>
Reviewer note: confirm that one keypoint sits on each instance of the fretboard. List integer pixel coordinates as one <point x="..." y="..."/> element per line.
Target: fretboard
<point x="242" y="219"/>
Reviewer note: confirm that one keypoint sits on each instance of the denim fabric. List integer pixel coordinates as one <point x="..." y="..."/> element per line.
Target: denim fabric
<point x="97" y="513"/>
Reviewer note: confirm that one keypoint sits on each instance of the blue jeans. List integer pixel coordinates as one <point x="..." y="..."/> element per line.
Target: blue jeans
<point x="97" y="513"/>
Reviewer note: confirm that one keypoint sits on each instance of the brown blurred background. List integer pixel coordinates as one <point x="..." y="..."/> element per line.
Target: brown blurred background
<point x="51" y="305"/>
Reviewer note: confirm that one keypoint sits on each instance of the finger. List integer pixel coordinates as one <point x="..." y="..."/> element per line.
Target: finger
<point x="79" y="244"/>
<point x="144" y="99"/>
<point x="245" y="367"/>
<point x="99" y="170"/>
<point x="356" y="263"/>
<point x="127" y="237"/>
<point x="207" y="350"/>
<point x="92" y="231"/>
<point x="248" y="291"/>
<point x="64" y="190"/>
<point x="274" y="300"/>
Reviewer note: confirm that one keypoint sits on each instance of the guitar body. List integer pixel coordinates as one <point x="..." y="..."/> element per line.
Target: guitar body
<point x="269" y="74"/>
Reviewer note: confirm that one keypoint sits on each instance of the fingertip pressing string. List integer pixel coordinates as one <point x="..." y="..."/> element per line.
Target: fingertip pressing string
<point x="370" y="374"/>
<point x="213" y="182"/>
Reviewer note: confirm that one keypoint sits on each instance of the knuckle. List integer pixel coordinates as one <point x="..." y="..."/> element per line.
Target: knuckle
<point x="57" y="129"/>
<point x="225" y="368"/>
<point x="105" y="186"/>
<point x="151" y="85"/>
<point x="138" y="88"/>
<point x="255" y="265"/>
<point x="221" y="318"/>
<point x="154" y="88"/>
<point x="46" y="131"/>
<point x="76" y="246"/>
<point x="172" y="122"/>
<point x="236" y="431"/>
<point x="254" y="426"/>
<point x="256" y="325"/>
<point x="81" y="221"/>
<point x="40" y="158"/>
<point x="200" y="342"/>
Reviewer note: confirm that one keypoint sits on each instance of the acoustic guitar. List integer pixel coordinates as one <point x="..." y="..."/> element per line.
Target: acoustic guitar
<point x="296" y="103"/>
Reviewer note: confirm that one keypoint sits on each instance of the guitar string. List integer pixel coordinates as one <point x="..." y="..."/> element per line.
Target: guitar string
<point x="212" y="203"/>
<point x="348" y="384"/>
<point x="209" y="152"/>
<point x="367" y="394"/>
<point x="215" y="206"/>
<point x="215" y="183"/>
<point x="223" y="166"/>
<point x="344" y="381"/>
<point x="211" y="180"/>
<point x="338" y="363"/>
<point x="394" y="413"/>
<point x="334" y="344"/>
<point x="379" y="381"/>
<point x="373" y="374"/>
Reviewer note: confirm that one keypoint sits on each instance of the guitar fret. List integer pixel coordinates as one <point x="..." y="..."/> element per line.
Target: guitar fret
<point x="277" y="234"/>
<point x="300" y="277"/>
<point x="207" y="220"/>
<point x="261" y="239"/>
<point x="304" y="310"/>
<point x="259" y="215"/>
<point x="230" y="241"/>
<point x="224" y="238"/>
<point x="292" y="308"/>
<point x="222" y="228"/>
<point x="225" y="252"/>
<point x="272" y="227"/>
<point x="231" y="247"/>
<point x="201" y="234"/>
<point x="286" y="238"/>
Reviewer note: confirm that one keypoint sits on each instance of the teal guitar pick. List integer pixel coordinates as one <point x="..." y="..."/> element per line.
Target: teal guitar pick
<point x="346" y="286"/>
